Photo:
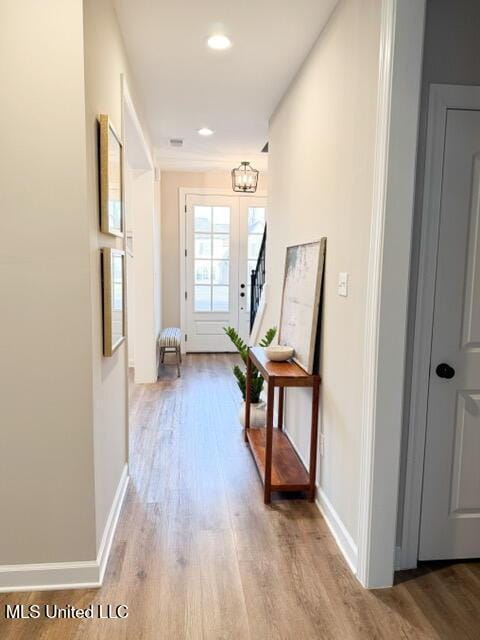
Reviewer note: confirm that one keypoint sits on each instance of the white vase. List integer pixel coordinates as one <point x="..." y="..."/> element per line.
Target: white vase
<point x="257" y="414"/>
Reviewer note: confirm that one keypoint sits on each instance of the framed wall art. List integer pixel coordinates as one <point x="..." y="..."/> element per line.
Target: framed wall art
<point x="302" y="288"/>
<point x="113" y="285"/>
<point x="111" y="179"/>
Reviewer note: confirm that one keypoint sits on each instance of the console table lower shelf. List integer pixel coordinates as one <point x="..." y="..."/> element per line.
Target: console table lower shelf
<point x="288" y="472"/>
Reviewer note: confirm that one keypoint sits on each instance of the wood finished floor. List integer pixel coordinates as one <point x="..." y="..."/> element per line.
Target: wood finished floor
<point x="197" y="555"/>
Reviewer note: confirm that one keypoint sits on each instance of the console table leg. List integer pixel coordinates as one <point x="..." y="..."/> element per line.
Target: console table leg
<point x="269" y="443"/>
<point x="313" y="441"/>
<point x="248" y="389"/>
<point x="281" y="391"/>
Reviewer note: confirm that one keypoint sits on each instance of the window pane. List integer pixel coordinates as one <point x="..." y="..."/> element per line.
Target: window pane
<point x="220" y="271"/>
<point x="256" y="219"/>
<point x="203" y="271"/>
<point x="203" y="218"/>
<point x="203" y="298"/>
<point x="220" y="299"/>
<point x="254" y="243"/>
<point x="203" y="245"/>
<point x="221" y="247"/>
<point x="221" y="219"/>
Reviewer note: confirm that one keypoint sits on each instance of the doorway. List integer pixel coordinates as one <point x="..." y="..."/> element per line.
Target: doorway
<point x="450" y="518"/>
<point x="223" y="235"/>
<point x="442" y="506"/>
<point x="142" y="247"/>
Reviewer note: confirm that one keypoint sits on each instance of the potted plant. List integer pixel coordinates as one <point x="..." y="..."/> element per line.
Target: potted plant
<point x="257" y="408"/>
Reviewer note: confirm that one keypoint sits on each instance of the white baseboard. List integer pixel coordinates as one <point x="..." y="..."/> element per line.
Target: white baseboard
<point x="344" y="540"/>
<point x="67" y="575"/>
<point x="338" y="530"/>
<point x="111" y="524"/>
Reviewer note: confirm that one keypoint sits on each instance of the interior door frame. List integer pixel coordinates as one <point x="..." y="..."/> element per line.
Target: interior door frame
<point x="442" y="97"/>
<point x="183" y="193"/>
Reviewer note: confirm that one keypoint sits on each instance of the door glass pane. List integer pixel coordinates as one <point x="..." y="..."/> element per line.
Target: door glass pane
<point x="211" y="263"/>
<point x="203" y="298"/>
<point x="221" y="219"/>
<point x="203" y="218"/>
<point x="254" y="242"/>
<point x="220" y="271"/>
<point x="203" y="245"/>
<point x="220" y="299"/>
<point x="221" y="246"/>
<point x="203" y="271"/>
<point x="256" y="219"/>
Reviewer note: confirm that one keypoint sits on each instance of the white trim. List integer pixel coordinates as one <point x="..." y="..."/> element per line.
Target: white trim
<point x="339" y="531"/>
<point x="398" y="558"/>
<point x="148" y="246"/>
<point x="183" y="192"/>
<point x="51" y="576"/>
<point x="441" y="98"/>
<point x="398" y="107"/>
<point x="111" y="524"/>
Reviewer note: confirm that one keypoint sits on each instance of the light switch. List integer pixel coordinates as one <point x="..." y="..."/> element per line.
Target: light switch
<point x="343" y="284"/>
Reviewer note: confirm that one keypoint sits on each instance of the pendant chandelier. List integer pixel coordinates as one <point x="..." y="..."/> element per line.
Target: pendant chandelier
<point x="245" y="178"/>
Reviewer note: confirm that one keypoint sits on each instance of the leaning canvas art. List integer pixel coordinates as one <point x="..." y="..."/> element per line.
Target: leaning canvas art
<point x="302" y="284"/>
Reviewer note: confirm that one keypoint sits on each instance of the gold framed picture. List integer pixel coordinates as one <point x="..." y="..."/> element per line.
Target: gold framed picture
<point x="113" y="286"/>
<point x="111" y="179"/>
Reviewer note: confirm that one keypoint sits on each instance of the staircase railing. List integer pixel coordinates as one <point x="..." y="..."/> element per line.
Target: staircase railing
<point x="257" y="280"/>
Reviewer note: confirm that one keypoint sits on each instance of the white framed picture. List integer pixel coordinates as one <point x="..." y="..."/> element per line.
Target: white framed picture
<point x="302" y="285"/>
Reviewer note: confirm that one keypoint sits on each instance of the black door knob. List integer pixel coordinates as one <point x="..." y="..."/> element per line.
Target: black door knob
<point x="242" y="295"/>
<point x="242" y="286"/>
<point x="444" y="370"/>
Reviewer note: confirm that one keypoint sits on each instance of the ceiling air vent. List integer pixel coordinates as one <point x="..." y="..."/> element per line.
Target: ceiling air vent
<point x="176" y="142"/>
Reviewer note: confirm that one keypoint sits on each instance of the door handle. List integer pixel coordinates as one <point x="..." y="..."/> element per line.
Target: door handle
<point x="242" y="286"/>
<point x="242" y="295"/>
<point x="444" y="370"/>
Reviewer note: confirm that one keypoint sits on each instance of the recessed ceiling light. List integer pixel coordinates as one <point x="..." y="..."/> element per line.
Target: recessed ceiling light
<point x="205" y="131"/>
<point x="219" y="42"/>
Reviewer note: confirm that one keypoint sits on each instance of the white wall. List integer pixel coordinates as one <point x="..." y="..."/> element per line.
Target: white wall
<point x="46" y="435"/>
<point x="145" y="275"/>
<point x="321" y="157"/>
<point x="105" y="63"/>
<point x="128" y="183"/>
<point x="63" y="440"/>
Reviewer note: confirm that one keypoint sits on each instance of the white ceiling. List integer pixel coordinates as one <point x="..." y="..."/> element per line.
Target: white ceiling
<point x="185" y="86"/>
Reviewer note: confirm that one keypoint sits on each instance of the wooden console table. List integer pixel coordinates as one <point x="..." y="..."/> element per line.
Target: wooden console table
<point x="277" y="461"/>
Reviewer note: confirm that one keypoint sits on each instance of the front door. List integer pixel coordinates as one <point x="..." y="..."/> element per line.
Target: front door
<point x="450" y="517"/>
<point x="223" y="237"/>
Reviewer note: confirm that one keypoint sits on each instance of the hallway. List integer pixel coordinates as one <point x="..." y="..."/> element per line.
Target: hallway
<point x="198" y="555"/>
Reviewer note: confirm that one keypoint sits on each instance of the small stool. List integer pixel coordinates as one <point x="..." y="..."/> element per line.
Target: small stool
<point x="170" y="341"/>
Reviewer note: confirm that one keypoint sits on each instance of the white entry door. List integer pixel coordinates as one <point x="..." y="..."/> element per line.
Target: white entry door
<point x="223" y="237"/>
<point x="450" y="517"/>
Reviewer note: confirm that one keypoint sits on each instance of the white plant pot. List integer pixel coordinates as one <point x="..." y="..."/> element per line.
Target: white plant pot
<point x="257" y="414"/>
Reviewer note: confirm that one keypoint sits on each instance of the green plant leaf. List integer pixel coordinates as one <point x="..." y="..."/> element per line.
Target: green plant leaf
<point x="257" y="380"/>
